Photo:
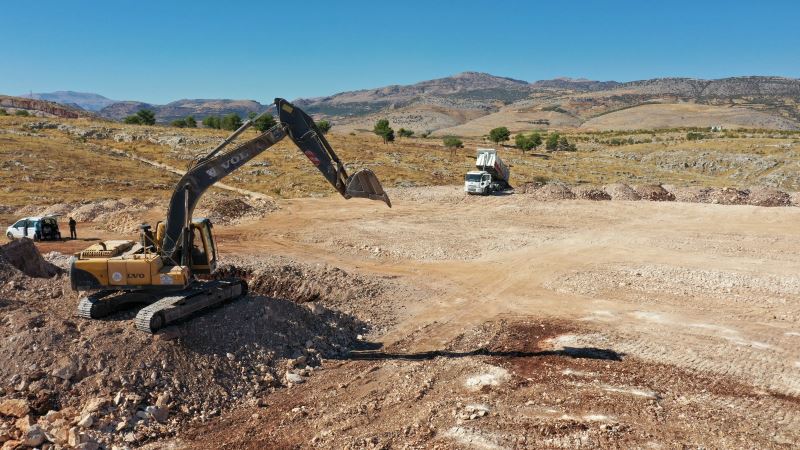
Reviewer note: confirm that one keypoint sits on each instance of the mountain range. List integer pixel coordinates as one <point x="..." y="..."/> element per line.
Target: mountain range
<point x="471" y="103"/>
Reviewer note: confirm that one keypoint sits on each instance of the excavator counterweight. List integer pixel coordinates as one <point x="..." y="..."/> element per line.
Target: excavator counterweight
<point x="161" y="270"/>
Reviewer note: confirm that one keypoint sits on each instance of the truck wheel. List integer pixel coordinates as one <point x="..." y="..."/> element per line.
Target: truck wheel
<point x="10" y="236"/>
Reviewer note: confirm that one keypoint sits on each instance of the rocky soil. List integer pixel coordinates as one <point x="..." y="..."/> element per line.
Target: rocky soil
<point x="71" y="384"/>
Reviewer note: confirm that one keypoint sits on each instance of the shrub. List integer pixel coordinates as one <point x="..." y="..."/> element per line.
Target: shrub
<point x="402" y="132"/>
<point x="3" y="112"/>
<point x="694" y="136"/>
<point x="231" y="122"/>
<point x="324" y="126"/>
<point x="552" y="142"/>
<point x="264" y="123"/>
<point x="134" y="120"/>
<point x="190" y="122"/>
<point x="179" y="123"/>
<point x="22" y="112"/>
<point x="452" y="142"/>
<point x="211" y="122"/>
<point x="146" y="117"/>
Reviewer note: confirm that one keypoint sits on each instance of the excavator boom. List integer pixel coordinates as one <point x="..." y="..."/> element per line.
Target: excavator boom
<point x="292" y="122"/>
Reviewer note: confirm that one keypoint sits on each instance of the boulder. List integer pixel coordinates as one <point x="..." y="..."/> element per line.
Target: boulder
<point x="14" y="408"/>
<point x="34" y="437"/>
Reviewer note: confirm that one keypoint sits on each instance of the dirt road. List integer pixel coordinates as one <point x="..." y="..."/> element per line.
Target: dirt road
<point x="536" y="324"/>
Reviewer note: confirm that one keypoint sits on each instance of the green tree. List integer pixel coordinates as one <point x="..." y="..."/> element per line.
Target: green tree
<point x="324" y="126"/>
<point x="22" y="112"/>
<point x="147" y="117"/>
<point x="264" y="123"/>
<point x="499" y="134"/>
<point x="251" y="115"/>
<point x="179" y="123"/>
<point x="190" y="122"/>
<point x="383" y="130"/>
<point x="133" y="120"/>
<point x="231" y="122"/>
<point x="552" y="142"/>
<point x="3" y="112"/>
<point x="452" y="142"/>
<point x="402" y="132"/>
<point x="523" y="142"/>
<point x="211" y="122"/>
<point x="536" y="140"/>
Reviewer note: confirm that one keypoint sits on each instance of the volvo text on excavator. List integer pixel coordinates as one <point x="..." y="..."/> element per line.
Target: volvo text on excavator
<point x="161" y="269"/>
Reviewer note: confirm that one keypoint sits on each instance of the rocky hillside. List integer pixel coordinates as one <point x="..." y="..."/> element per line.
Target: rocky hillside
<point x="467" y="90"/>
<point x="752" y="102"/>
<point x="40" y="107"/>
<point x="199" y="108"/>
<point x="83" y="100"/>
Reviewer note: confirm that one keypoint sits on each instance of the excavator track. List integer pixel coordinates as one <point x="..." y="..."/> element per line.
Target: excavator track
<point x="104" y="303"/>
<point x="182" y="304"/>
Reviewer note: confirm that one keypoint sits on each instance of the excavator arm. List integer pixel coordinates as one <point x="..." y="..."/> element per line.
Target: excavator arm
<point x="293" y="122"/>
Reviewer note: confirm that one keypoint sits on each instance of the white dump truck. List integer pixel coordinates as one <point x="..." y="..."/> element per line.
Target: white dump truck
<point x="491" y="176"/>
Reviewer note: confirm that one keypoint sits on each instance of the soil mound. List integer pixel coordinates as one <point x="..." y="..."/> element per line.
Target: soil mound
<point x="529" y="187"/>
<point x="590" y="193"/>
<point x="691" y="194"/>
<point x="23" y="255"/>
<point x="763" y="196"/>
<point x="653" y="192"/>
<point x="621" y="191"/>
<point x="228" y="210"/>
<point x="728" y="196"/>
<point x="553" y="191"/>
<point x="794" y="197"/>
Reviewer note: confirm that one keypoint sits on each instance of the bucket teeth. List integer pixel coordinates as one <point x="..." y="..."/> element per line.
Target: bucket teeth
<point x="365" y="184"/>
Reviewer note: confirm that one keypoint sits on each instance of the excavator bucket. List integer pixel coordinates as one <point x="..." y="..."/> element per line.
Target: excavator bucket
<point x="365" y="184"/>
<point x="310" y="140"/>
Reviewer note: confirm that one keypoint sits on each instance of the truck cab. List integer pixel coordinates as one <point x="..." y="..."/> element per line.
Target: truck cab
<point x="478" y="182"/>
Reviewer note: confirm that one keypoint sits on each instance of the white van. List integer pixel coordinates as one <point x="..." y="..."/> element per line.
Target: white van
<point x="38" y="228"/>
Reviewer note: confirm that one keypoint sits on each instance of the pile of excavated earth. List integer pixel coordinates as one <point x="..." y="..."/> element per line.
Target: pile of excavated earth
<point x="756" y="196"/>
<point x="125" y="215"/>
<point x="71" y="382"/>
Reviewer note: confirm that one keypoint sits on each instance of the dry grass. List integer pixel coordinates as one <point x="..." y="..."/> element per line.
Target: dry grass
<point x="54" y="166"/>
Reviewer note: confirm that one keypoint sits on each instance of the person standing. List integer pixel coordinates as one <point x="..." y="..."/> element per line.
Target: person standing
<point x="25" y="230"/>
<point x="72" y="233"/>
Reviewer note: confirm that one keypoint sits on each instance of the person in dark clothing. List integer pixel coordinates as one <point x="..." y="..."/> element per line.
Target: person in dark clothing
<point x="72" y="233"/>
<point x="25" y="230"/>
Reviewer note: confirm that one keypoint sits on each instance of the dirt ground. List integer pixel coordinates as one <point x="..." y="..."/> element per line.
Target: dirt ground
<point x="603" y="324"/>
<point x="507" y="322"/>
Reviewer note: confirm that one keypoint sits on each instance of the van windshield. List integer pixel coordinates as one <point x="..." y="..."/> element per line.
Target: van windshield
<point x="473" y="177"/>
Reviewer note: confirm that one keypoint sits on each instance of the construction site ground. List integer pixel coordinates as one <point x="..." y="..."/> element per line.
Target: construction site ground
<point x="452" y="321"/>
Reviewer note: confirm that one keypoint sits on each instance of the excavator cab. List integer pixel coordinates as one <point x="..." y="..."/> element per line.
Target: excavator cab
<point x="204" y="251"/>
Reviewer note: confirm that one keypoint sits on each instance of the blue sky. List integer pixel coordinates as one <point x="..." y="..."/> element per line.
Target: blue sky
<point x="167" y="50"/>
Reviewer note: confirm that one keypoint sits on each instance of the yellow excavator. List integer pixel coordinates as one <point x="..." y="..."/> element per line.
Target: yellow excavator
<point x="161" y="269"/>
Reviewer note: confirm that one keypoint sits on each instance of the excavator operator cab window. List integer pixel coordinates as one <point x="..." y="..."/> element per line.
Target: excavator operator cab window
<point x="204" y="259"/>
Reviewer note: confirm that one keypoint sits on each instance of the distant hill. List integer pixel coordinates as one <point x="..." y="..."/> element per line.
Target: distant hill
<point x="471" y="103"/>
<point x="83" y="100"/>
<point x="467" y="90"/>
<point x="199" y="108"/>
<point x="41" y="107"/>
